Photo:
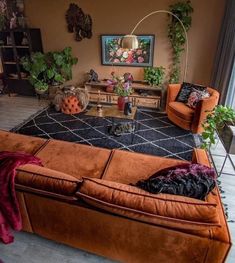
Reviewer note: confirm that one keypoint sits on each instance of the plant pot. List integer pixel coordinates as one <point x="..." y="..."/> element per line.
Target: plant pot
<point x="40" y="91"/>
<point x="121" y="103"/>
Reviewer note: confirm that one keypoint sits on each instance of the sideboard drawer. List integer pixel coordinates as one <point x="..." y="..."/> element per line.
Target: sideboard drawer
<point x="94" y="97"/>
<point x="113" y="99"/>
<point x="150" y="103"/>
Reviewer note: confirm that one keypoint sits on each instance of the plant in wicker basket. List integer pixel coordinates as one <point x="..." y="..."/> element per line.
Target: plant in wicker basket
<point x="71" y="100"/>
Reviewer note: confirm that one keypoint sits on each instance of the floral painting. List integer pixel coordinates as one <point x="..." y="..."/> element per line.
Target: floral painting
<point x="114" y="54"/>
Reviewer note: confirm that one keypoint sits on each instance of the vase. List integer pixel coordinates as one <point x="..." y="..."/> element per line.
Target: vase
<point x="121" y="103"/>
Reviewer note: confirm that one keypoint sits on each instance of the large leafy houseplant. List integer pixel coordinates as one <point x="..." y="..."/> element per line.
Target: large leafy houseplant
<point x="154" y="75"/>
<point x="183" y="11"/>
<point x="37" y="67"/>
<point x="50" y="68"/>
<point x="60" y="65"/>
<point x="215" y="120"/>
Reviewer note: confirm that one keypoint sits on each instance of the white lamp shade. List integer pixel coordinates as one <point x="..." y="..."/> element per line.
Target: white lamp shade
<point x="130" y="42"/>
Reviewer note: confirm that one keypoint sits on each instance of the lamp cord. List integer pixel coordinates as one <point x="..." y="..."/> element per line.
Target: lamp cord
<point x="185" y="32"/>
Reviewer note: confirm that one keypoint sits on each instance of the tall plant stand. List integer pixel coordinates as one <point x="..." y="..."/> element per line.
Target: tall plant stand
<point x="228" y="144"/>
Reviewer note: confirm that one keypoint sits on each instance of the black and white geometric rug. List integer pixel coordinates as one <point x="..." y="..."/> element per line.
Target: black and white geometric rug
<point x="156" y="135"/>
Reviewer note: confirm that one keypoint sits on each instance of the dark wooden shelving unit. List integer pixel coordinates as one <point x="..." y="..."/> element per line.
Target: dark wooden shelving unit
<point x="12" y="50"/>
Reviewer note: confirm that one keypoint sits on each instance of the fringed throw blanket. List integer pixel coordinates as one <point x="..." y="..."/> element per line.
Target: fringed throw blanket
<point x="9" y="208"/>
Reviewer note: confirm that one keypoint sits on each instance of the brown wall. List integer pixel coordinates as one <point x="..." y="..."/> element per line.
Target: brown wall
<point x="118" y="17"/>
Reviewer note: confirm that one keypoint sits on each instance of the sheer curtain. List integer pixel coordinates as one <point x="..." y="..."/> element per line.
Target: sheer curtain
<point x="230" y="100"/>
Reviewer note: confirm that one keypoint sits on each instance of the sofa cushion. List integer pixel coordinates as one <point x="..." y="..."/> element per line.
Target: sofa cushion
<point x="20" y="143"/>
<point x="77" y="160"/>
<point x="162" y="209"/>
<point x="42" y="178"/>
<point x="127" y="167"/>
<point x="181" y="110"/>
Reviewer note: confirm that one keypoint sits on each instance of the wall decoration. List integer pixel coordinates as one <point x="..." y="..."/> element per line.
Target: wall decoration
<point x="3" y="14"/>
<point x="113" y="54"/>
<point x="78" y="23"/>
<point x="12" y="14"/>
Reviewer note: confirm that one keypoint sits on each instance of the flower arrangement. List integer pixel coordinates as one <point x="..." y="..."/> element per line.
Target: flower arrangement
<point x="121" y="87"/>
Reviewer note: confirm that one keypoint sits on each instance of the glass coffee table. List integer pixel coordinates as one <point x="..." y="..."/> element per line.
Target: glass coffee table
<point x="115" y="114"/>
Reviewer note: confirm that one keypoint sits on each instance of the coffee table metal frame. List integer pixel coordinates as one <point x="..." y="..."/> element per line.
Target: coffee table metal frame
<point x="113" y="113"/>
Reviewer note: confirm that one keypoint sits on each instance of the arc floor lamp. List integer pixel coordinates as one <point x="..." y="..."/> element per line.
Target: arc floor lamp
<point x="131" y="42"/>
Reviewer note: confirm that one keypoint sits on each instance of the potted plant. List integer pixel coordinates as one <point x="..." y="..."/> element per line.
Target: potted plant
<point x="60" y="65"/>
<point x="37" y="67"/>
<point x="52" y="68"/>
<point x="154" y="75"/>
<point x="122" y="88"/>
<point x="217" y="120"/>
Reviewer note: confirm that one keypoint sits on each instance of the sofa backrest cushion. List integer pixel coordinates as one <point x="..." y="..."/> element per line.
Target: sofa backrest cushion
<point x="14" y="142"/>
<point x="162" y="209"/>
<point x="46" y="179"/>
<point x="75" y="159"/>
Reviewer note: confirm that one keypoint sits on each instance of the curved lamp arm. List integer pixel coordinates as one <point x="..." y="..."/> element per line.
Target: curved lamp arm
<point x="181" y="23"/>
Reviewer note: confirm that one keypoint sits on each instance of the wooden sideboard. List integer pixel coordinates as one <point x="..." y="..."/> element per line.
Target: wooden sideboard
<point x="144" y="95"/>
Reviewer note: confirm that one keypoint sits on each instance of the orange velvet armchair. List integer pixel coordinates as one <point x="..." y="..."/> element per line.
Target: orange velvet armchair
<point x="185" y="117"/>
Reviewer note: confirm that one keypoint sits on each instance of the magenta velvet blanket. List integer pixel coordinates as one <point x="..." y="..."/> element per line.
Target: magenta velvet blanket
<point x="9" y="208"/>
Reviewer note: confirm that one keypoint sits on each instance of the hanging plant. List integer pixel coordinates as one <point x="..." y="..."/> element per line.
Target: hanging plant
<point x="183" y="11"/>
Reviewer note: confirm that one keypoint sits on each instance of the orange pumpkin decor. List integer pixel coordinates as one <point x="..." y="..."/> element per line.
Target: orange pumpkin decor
<point x="70" y="105"/>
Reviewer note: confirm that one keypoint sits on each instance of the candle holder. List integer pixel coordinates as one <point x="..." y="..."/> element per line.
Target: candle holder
<point x="99" y="107"/>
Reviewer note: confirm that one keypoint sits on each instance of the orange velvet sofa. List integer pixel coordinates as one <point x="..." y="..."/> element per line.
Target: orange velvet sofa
<point x="185" y="117"/>
<point x="82" y="197"/>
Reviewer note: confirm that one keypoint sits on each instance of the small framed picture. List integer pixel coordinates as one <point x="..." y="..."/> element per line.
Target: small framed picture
<point x="114" y="54"/>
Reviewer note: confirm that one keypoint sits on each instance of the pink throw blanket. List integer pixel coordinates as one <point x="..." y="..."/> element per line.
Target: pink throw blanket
<point x="9" y="208"/>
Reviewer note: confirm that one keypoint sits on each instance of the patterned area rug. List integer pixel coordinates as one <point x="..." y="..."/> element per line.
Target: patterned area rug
<point x="155" y="134"/>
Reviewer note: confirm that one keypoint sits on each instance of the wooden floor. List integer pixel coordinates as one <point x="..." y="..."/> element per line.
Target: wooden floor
<point x="15" y="110"/>
<point x="30" y="248"/>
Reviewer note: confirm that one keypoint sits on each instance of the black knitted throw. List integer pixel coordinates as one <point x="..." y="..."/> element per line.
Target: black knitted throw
<point x="191" y="180"/>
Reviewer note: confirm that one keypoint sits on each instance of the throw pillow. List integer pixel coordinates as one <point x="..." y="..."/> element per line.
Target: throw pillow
<point x="195" y="96"/>
<point x="186" y="89"/>
<point x="191" y="180"/>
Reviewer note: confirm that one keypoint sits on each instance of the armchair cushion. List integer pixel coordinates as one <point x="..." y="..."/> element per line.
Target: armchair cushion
<point x="181" y="110"/>
<point x="195" y="96"/>
<point x="186" y="89"/>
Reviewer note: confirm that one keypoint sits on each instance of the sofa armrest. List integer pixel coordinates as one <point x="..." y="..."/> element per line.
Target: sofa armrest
<point x="46" y="179"/>
<point x="172" y="92"/>
<point x="202" y="110"/>
<point x="200" y="156"/>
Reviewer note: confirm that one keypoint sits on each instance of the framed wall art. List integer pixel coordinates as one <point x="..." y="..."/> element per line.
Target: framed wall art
<point x="113" y="54"/>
